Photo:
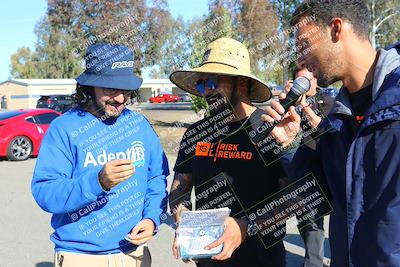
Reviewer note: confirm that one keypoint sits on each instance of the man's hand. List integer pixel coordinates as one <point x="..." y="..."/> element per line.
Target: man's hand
<point x="115" y="172"/>
<point x="313" y="119"/>
<point x="175" y="249"/>
<point x="142" y="232"/>
<point x="288" y="127"/>
<point x="288" y="86"/>
<point x="179" y="209"/>
<point x="234" y="234"/>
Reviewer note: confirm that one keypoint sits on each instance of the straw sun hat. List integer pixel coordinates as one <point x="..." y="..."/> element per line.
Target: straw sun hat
<point x="224" y="56"/>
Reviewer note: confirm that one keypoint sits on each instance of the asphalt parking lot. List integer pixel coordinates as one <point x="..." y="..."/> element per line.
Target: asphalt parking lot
<point x="25" y="228"/>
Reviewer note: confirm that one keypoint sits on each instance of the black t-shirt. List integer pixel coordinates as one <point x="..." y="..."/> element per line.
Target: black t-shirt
<point x="252" y="174"/>
<point x="225" y="149"/>
<point x="360" y="102"/>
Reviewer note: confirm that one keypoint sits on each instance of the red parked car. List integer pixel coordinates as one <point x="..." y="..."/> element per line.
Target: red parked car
<point x="164" y="98"/>
<point x="22" y="131"/>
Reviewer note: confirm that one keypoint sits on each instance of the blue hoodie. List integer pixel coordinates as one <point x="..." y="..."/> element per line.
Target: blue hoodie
<point x="362" y="170"/>
<point x="87" y="219"/>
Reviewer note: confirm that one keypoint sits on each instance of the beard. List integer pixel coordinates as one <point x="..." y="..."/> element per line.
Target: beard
<point x="101" y="108"/>
<point x="220" y="101"/>
<point x="217" y="103"/>
<point x="330" y="68"/>
<point x="324" y="80"/>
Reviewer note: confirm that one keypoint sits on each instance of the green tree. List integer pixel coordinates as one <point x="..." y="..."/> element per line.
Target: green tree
<point x="257" y="22"/>
<point x="54" y="52"/>
<point x="284" y="10"/>
<point x="70" y="26"/>
<point x="23" y="63"/>
<point x="141" y="25"/>
<point x="385" y="21"/>
<point x="175" y="50"/>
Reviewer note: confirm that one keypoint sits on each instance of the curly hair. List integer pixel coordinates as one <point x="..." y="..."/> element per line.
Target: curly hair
<point x="354" y="12"/>
<point x="83" y="96"/>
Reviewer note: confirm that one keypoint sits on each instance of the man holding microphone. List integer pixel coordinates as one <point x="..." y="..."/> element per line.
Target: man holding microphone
<point x="358" y="155"/>
<point x="314" y="106"/>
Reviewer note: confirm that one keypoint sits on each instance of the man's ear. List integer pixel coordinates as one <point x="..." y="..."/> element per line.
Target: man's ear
<point x="336" y="26"/>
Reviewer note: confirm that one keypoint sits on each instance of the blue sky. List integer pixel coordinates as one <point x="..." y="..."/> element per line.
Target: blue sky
<point x="18" y="19"/>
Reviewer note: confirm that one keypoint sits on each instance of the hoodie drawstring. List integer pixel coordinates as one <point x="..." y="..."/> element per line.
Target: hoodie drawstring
<point x="109" y="259"/>
<point x="122" y="260"/>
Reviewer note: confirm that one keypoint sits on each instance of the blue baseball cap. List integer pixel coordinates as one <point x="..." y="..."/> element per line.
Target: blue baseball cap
<point x="109" y="66"/>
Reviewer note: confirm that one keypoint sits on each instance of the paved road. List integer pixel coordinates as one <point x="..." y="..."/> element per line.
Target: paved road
<point x="25" y="228"/>
<point x="163" y="106"/>
<point x="174" y="106"/>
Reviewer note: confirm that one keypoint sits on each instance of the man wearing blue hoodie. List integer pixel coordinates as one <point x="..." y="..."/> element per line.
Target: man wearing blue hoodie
<point x="359" y="154"/>
<point x="101" y="170"/>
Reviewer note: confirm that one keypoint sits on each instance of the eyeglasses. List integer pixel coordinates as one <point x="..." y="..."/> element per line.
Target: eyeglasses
<point x="210" y="82"/>
<point x="113" y="92"/>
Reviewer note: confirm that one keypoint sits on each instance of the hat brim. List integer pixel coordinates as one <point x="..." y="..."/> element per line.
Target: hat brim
<point x="126" y="82"/>
<point x="186" y="80"/>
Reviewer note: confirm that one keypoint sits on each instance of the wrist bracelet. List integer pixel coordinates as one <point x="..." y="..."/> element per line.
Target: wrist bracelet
<point x="295" y="143"/>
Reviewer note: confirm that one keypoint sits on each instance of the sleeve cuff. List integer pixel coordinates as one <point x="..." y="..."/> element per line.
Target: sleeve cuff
<point x="91" y="185"/>
<point x="154" y="217"/>
<point x="294" y="144"/>
<point x="155" y="225"/>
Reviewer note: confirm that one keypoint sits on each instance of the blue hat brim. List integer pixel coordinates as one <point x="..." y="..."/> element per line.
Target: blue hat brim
<point x="126" y="82"/>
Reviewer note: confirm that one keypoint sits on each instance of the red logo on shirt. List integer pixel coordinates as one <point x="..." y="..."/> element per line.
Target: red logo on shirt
<point x="221" y="150"/>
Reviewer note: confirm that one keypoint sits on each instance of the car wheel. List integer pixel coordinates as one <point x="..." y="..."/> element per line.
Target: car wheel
<point x="20" y="148"/>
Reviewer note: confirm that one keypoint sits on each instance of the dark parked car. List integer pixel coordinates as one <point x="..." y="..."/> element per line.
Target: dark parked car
<point x="59" y="103"/>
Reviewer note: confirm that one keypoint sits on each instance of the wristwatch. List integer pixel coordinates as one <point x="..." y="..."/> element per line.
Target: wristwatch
<point x="252" y="227"/>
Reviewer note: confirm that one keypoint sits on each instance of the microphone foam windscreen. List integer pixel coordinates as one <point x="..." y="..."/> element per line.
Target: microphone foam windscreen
<point x="301" y="85"/>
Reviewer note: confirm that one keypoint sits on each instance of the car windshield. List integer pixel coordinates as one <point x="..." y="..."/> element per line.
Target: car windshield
<point x="10" y="114"/>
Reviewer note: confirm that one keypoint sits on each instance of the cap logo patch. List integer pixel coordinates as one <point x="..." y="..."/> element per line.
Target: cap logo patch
<point x="122" y="64"/>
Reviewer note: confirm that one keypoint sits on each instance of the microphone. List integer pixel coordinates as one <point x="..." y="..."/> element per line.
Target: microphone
<point x="301" y="85"/>
<point x="260" y="130"/>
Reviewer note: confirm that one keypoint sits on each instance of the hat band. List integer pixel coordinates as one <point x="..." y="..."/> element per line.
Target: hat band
<point x="219" y="63"/>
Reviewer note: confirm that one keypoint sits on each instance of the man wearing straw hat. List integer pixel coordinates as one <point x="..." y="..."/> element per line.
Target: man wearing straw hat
<point x="219" y="145"/>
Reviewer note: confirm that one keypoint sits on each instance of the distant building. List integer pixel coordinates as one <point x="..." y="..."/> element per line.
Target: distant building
<point x="24" y="93"/>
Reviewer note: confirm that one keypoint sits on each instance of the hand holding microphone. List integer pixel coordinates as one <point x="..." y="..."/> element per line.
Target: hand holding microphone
<point x="305" y="105"/>
<point x="283" y="116"/>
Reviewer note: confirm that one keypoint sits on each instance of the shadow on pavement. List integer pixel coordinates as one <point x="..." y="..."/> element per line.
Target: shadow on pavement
<point x="169" y="220"/>
<point x="293" y="260"/>
<point x="293" y="253"/>
<point x="44" y="264"/>
<point x="171" y="124"/>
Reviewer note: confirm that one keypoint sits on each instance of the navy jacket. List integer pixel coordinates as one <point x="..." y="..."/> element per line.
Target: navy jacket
<point x="361" y="167"/>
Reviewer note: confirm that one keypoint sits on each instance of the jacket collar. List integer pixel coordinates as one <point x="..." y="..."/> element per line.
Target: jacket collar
<point x="387" y="62"/>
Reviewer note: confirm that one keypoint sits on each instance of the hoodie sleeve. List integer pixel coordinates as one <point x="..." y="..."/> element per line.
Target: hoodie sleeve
<point x="54" y="186"/>
<point x="155" y="202"/>
<point x="302" y="161"/>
